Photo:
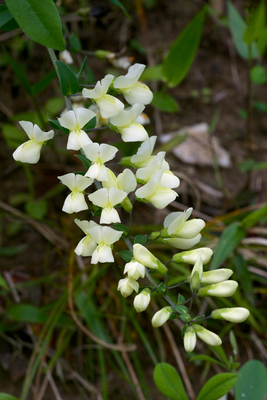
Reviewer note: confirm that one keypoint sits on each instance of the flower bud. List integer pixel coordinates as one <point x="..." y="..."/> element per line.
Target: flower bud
<point x="127" y="285"/>
<point x="142" y="300"/>
<point x="161" y="317"/>
<point x="235" y="314"/>
<point x="135" y="269"/>
<point x="191" y="256"/>
<point x="145" y="257"/>
<point x="221" y="289"/>
<point x="216" y="276"/>
<point x="190" y="339"/>
<point x="207" y="336"/>
<point x="196" y="274"/>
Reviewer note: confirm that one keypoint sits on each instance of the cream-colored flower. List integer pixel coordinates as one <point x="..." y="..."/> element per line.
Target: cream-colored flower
<point x="234" y="314"/>
<point x="161" y="317"/>
<point x="127" y="285"/>
<point x="75" y="201"/>
<point x="104" y="236"/>
<point x="107" y="199"/>
<point x="86" y="245"/>
<point x="142" y="300"/>
<point x="99" y="154"/>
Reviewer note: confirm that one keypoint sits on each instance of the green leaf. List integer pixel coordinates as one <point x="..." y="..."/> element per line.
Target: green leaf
<point x="181" y="299"/>
<point x="181" y="309"/>
<point x="54" y="123"/>
<point x="256" y="25"/>
<point x="39" y="86"/>
<point x="203" y="357"/>
<point x="3" y="282"/>
<point x="165" y="102"/>
<point x="153" y="73"/>
<point x="91" y="124"/>
<point x="118" y="3"/>
<point x="5" y="396"/>
<point x="262" y="42"/>
<point x="217" y="386"/>
<point x="258" y="74"/>
<point x="126" y="255"/>
<point x="13" y="136"/>
<point x="39" y="20"/>
<point x="169" y="382"/>
<point x="87" y="163"/>
<point x="252" y="381"/>
<point x="75" y="43"/>
<point x="229" y="240"/>
<point x="82" y="67"/>
<point x="7" y="22"/>
<point x="36" y="209"/>
<point x="20" y="73"/>
<point x="68" y="81"/>
<point x="183" y="50"/>
<point x="12" y="250"/>
<point x="238" y="28"/>
<point x="142" y="239"/>
<point x="54" y="106"/>
<point x="254" y="217"/>
<point x="244" y="277"/>
<point x="121" y="228"/>
<point x="27" y="313"/>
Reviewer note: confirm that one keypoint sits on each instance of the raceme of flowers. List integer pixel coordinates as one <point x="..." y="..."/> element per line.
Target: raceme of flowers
<point x="156" y="186"/>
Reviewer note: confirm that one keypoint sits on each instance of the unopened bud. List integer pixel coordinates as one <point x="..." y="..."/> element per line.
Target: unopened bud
<point x="235" y="314"/>
<point x="216" y="276"/>
<point x="190" y="339"/>
<point x="222" y="289"/>
<point x="145" y="257"/>
<point x="135" y="269"/>
<point x="127" y="285"/>
<point x="196" y="274"/>
<point x="191" y="256"/>
<point x="161" y="317"/>
<point x="142" y="300"/>
<point x="207" y="336"/>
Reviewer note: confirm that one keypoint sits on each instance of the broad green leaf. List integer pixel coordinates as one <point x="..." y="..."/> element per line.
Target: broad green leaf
<point x="7" y="22"/>
<point x="5" y="396"/>
<point x="252" y="381"/>
<point x="254" y="217"/>
<point x="118" y="4"/>
<point x="142" y="239"/>
<point x="217" y="386"/>
<point x="153" y="73"/>
<point x="13" y="136"/>
<point x="165" y="102"/>
<point x="39" y="20"/>
<point x="238" y="28"/>
<point x="256" y="25"/>
<point x="183" y="50"/>
<point x="56" y="125"/>
<point x="126" y="255"/>
<point x="36" y="209"/>
<point x="39" y="86"/>
<point x="169" y="382"/>
<point x="68" y="81"/>
<point x="87" y="163"/>
<point x="258" y="74"/>
<point x="3" y="282"/>
<point x="181" y="309"/>
<point x="229" y="240"/>
<point x="91" y="124"/>
<point x="75" y="43"/>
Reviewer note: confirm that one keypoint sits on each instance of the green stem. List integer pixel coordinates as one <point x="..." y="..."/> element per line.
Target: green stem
<point x="30" y="181"/>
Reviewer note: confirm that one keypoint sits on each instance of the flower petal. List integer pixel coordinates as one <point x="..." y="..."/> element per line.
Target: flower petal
<point x="28" y="152"/>
<point x="162" y="197"/>
<point x="82" y="182"/>
<point x="109" y="216"/>
<point x="132" y="76"/>
<point x="100" y="197"/>
<point x="68" y="120"/>
<point x="68" y="180"/>
<point x="126" y="181"/>
<point x="133" y="133"/>
<point x="116" y="196"/>
<point x="83" y="116"/>
<point x="138" y="93"/>
<point x="110" y="236"/>
<point x="107" y="152"/>
<point x="27" y="127"/>
<point x="183" y="244"/>
<point x="109" y="106"/>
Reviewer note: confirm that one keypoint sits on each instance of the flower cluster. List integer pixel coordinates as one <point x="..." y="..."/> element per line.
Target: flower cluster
<point x="156" y="186"/>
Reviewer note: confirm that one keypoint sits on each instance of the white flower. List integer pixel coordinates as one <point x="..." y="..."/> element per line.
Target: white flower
<point x="196" y="274"/>
<point x="143" y="156"/>
<point x="66" y="57"/>
<point x="75" y="121"/>
<point x="154" y="193"/>
<point x="186" y="233"/>
<point x="142" y="300"/>
<point x="221" y="289"/>
<point x="132" y="90"/>
<point x="161" y="317"/>
<point x="29" y="152"/>
<point x="145" y="257"/>
<point x="207" y="336"/>
<point x="158" y="163"/>
<point x="125" y="181"/>
<point x="86" y="245"/>
<point x="127" y="285"/>
<point x="191" y="256"/>
<point x="125" y="124"/>
<point x="190" y="339"/>
<point x="99" y="154"/>
<point x="134" y="269"/>
<point x="75" y="201"/>
<point x="107" y="200"/>
<point x="235" y="314"/>
<point x="216" y="276"/>
<point x="104" y="237"/>
<point x="108" y="105"/>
